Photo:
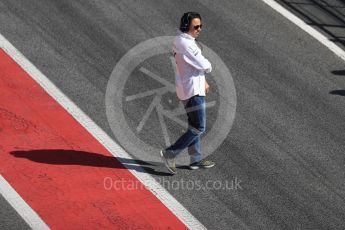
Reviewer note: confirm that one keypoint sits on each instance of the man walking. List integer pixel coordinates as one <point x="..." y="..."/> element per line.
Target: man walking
<point x="191" y="89"/>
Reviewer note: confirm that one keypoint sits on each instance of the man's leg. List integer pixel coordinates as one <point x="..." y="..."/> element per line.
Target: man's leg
<point x="196" y="118"/>
<point x="194" y="150"/>
<point x="195" y="108"/>
<point x="183" y="142"/>
<point x="196" y="112"/>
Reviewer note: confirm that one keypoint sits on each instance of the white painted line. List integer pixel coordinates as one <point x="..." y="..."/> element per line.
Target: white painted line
<point x="310" y="30"/>
<point x="23" y="209"/>
<point x="161" y="193"/>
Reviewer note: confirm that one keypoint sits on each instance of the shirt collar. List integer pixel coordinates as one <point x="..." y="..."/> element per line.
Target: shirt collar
<point x="186" y="35"/>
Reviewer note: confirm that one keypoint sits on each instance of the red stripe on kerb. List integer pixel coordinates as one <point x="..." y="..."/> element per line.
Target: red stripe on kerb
<point x="59" y="169"/>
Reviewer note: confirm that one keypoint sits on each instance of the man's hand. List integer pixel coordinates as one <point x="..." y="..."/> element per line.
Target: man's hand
<point x="207" y="87"/>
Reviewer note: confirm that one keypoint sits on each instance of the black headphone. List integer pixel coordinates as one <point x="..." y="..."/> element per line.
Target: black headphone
<point x="186" y="20"/>
<point x="184" y="25"/>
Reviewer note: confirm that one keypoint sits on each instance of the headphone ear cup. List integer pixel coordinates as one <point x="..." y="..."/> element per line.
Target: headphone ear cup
<point x="185" y="28"/>
<point x="185" y="22"/>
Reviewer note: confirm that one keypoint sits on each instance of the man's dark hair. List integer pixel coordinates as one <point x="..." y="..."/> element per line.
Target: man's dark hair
<point x="187" y="19"/>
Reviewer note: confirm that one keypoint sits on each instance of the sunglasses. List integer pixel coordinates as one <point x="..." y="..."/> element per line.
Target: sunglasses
<point x="197" y="26"/>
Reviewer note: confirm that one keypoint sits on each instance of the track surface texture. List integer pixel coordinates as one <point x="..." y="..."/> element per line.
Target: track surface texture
<point x="287" y="143"/>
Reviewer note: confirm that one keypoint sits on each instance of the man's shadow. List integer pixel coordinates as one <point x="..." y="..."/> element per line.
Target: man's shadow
<point x="74" y="157"/>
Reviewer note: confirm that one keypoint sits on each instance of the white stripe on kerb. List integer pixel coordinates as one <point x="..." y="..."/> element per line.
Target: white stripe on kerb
<point x="310" y="30"/>
<point x="151" y="184"/>
<point x="23" y="209"/>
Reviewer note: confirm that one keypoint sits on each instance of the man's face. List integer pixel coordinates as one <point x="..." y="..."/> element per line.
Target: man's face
<point x="195" y="27"/>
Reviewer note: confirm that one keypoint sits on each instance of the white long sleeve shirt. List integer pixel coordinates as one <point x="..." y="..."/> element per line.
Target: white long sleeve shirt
<point x="191" y="66"/>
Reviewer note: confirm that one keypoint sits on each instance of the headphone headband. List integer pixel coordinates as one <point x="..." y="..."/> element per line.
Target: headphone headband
<point x="185" y="20"/>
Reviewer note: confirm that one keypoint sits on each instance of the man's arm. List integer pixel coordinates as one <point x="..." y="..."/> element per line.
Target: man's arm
<point x="194" y="57"/>
<point x="207" y="87"/>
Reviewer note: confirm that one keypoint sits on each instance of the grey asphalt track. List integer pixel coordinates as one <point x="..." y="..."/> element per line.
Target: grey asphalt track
<point x="287" y="143"/>
<point x="10" y="219"/>
<point x="327" y="16"/>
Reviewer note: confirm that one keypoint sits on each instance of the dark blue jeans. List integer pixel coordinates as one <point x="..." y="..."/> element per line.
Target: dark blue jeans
<point x="196" y="112"/>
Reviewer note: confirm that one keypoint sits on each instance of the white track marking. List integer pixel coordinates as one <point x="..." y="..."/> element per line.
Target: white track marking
<point x="150" y="183"/>
<point x="23" y="209"/>
<point x="310" y="30"/>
